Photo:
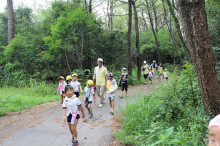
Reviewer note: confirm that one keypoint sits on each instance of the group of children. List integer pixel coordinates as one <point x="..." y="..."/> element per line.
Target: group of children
<point x="70" y="93"/>
<point x="149" y="72"/>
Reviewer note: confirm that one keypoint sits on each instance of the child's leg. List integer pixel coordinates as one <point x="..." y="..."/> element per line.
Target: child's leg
<point x="113" y="104"/>
<point x="70" y="129"/>
<point x="110" y="103"/>
<point x="90" y="108"/>
<point x="73" y="129"/>
<point x="126" y="89"/>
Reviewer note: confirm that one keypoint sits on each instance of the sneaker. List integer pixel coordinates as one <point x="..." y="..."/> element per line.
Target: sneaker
<point x="145" y="82"/>
<point x="72" y="139"/>
<point x="100" y="105"/>
<point x="110" y="110"/>
<point x="61" y="102"/>
<point x="121" y="97"/>
<point x="75" y="143"/>
<point x="90" y="115"/>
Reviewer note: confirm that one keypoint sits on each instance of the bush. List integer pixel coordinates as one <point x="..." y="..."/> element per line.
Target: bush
<point x="171" y="115"/>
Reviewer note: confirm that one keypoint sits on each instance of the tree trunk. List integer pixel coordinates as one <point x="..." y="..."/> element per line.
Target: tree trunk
<point x="90" y="6"/>
<point x="153" y="30"/>
<point x="137" y="41"/>
<point x="193" y="17"/>
<point x="178" y="28"/>
<point x="10" y="20"/>
<point x="111" y="14"/>
<point x="155" y="14"/>
<point x="129" y="36"/>
<point x="86" y="4"/>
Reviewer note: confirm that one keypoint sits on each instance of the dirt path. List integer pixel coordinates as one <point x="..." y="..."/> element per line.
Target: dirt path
<point x="43" y="125"/>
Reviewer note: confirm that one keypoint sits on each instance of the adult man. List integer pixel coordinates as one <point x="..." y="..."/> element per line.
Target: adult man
<point x="100" y="74"/>
<point x="154" y="67"/>
<point x="144" y="70"/>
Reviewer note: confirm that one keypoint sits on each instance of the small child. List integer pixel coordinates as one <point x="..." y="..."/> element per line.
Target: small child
<point x="150" y="75"/>
<point x="71" y="112"/>
<point x="111" y="88"/>
<point x="124" y="82"/>
<point x="165" y="74"/>
<point x="76" y="85"/>
<point x="214" y="131"/>
<point x="89" y="96"/>
<point x="160" y="72"/>
<point x="61" y="88"/>
<point x="69" y="80"/>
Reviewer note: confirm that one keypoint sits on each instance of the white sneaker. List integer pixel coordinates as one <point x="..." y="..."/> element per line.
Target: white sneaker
<point x="100" y="105"/>
<point x="145" y="82"/>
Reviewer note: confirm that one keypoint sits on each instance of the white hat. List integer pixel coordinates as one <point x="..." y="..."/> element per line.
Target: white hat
<point x="215" y="122"/>
<point x="124" y="69"/>
<point x="145" y="61"/>
<point x="100" y="59"/>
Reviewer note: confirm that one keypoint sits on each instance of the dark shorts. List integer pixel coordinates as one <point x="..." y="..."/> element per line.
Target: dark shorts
<point x="124" y="87"/>
<point x="145" y="76"/>
<point x="77" y="94"/>
<point x="70" y="117"/>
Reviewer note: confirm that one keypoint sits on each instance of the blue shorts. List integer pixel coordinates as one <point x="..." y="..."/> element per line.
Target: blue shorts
<point x="111" y="98"/>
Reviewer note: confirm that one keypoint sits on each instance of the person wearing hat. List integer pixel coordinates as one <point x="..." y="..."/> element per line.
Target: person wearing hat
<point x="100" y="74"/>
<point x="165" y="74"/>
<point x="123" y="82"/>
<point x="61" y="88"/>
<point x="76" y="85"/>
<point x="144" y="70"/>
<point x="214" y="131"/>
<point x="154" y="67"/>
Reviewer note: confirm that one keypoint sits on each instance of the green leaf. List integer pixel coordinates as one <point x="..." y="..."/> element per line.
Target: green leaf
<point x="168" y="132"/>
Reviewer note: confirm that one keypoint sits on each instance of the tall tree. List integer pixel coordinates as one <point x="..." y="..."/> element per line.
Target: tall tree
<point x="178" y="28"/>
<point x="153" y="30"/>
<point x="10" y="20"/>
<point x="193" y="17"/>
<point x="90" y="6"/>
<point x="129" y="36"/>
<point x="137" y="40"/>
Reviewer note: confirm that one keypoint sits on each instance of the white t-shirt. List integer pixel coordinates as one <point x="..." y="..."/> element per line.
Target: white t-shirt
<point x="71" y="105"/>
<point x="62" y="86"/>
<point x="165" y="74"/>
<point x="75" y="86"/>
<point x="89" y="92"/>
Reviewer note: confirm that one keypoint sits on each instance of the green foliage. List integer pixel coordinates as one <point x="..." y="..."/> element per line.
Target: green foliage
<point x="172" y="115"/>
<point x="15" y="99"/>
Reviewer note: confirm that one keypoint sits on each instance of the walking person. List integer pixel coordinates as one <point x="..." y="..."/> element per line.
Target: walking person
<point x="144" y="70"/>
<point x="100" y="74"/>
<point x="154" y="67"/>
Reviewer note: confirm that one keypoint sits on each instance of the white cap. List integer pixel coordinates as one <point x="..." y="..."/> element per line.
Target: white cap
<point x="100" y="59"/>
<point x="215" y="122"/>
<point x="124" y="69"/>
<point x="145" y="61"/>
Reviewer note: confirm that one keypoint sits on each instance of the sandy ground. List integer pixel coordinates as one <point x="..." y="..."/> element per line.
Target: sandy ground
<point x="43" y="124"/>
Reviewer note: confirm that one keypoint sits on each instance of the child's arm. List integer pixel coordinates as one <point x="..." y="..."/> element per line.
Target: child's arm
<point x="64" y="114"/>
<point x="83" y="114"/>
<point x="80" y="87"/>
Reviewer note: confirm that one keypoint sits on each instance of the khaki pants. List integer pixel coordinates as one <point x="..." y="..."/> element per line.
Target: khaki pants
<point x="100" y="92"/>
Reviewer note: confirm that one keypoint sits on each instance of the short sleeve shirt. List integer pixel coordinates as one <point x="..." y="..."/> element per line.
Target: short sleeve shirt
<point x="113" y="83"/>
<point x="75" y="86"/>
<point x="145" y="67"/>
<point x="89" y="92"/>
<point x="124" y="77"/>
<point x="62" y="86"/>
<point x="101" y="79"/>
<point x="71" y="105"/>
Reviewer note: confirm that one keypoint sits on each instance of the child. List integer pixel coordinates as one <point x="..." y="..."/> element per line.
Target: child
<point x="165" y="75"/>
<point x="71" y="112"/>
<point x="214" y="131"/>
<point x="150" y="75"/>
<point x="160" y="72"/>
<point x="111" y="88"/>
<point x="144" y="70"/>
<point x="123" y="82"/>
<point x="61" y="88"/>
<point x="69" y="80"/>
<point x="89" y="96"/>
<point x="76" y="85"/>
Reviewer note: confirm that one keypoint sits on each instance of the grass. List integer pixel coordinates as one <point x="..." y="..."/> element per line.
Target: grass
<point x="167" y="116"/>
<point x="15" y="99"/>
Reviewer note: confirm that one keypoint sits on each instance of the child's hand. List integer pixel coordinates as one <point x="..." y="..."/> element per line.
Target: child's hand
<point x="64" y="118"/>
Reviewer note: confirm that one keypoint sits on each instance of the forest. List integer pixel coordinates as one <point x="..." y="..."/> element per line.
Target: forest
<point x="36" y="47"/>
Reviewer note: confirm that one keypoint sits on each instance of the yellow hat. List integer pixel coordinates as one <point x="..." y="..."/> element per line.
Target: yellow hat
<point x="74" y="75"/>
<point x="61" y="77"/>
<point x="68" y="78"/>
<point x="165" y="69"/>
<point x="90" y="82"/>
